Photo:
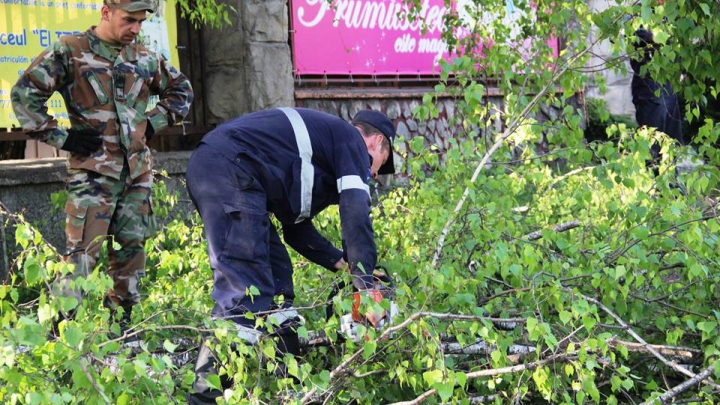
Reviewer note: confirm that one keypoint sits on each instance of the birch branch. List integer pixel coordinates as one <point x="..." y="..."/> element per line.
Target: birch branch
<point x="83" y="366"/>
<point x="685" y="353"/>
<point x="565" y="226"/>
<point x="344" y="367"/>
<point x="673" y="365"/>
<point x="493" y="372"/>
<point x="678" y="389"/>
<point x="509" y="131"/>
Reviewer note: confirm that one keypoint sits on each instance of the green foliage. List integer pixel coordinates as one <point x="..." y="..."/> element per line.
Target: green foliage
<point x="600" y="120"/>
<point x="206" y="12"/>
<point x="553" y="316"/>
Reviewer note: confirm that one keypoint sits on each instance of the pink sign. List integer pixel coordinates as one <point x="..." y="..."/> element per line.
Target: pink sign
<point x="369" y="37"/>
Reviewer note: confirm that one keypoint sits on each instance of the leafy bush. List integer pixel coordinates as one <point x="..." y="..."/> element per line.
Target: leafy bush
<point x="519" y="280"/>
<point x="557" y="315"/>
<point x="600" y="120"/>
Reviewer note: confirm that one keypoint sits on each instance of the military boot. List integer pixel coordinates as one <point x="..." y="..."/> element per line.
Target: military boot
<point x="124" y="322"/>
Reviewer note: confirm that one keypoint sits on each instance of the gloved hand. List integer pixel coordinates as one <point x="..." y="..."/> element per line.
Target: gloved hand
<point x="86" y="140"/>
<point x="149" y="132"/>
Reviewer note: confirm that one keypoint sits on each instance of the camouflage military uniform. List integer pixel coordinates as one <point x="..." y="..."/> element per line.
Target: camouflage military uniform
<point x="109" y="190"/>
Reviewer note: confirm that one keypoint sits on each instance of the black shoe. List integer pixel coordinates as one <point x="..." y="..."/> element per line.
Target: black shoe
<point x="124" y="323"/>
<point x="205" y="366"/>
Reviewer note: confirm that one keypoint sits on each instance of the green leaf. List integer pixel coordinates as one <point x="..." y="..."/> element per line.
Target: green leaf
<point x="169" y="346"/>
<point x="123" y="399"/>
<point x="369" y="348"/>
<point x="620" y="272"/>
<point x="565" y="317"/>
<point x="641" y="232"/>
<point x="269" y="351"/>
<point x="531" y="325"/>
<point x="433" y="377"/>
<point x="45" y="313"/>
<point x="707" y="327"/>
<point x="213" y="381"/>
<point x="460" y="378"/>
<point x="67" y="304"/>
<point x="73" y="335"/>
<point x="32" y="271"/>
<point x="589" y="322"/>
<point x="417" y="144"/>
<point x="706" y="9"/>
<point x="445" y="390"/>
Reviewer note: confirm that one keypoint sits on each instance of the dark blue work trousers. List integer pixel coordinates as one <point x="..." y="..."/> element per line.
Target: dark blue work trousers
<point x="243" y="244"/>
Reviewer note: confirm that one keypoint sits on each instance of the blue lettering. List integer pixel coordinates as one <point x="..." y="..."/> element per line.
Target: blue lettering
<point x="44" y="36"/>
<point x="58" y="33"/>
<point x="13" y="39"/>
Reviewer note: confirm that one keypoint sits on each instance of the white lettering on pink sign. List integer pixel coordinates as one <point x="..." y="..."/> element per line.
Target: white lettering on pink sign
<point x="367" y="37"/>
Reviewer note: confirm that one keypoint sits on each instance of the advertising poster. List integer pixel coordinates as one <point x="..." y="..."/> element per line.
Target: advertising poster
<point x="29" y="26"/>
<point x="375" y="37"/>
<point x="366" y="37"/>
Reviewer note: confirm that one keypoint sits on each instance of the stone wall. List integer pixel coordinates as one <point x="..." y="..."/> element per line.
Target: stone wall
<point x="26" y="186"/>
<point x="436" y="132"/>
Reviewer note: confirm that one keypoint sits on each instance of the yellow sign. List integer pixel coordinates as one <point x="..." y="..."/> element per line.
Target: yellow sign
<point x="29" y="26"/>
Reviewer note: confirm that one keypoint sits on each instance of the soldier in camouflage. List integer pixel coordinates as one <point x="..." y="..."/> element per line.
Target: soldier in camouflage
<point x="106" y="80"/>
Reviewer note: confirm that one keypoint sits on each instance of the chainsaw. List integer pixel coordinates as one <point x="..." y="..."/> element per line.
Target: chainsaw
<point x="351" y="325"/>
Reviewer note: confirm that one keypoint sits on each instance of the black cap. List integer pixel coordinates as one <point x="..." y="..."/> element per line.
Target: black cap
<point x="383" y="124"/>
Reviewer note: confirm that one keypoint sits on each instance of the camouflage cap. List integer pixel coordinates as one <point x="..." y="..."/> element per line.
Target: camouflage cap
<point x="132" y="5"/>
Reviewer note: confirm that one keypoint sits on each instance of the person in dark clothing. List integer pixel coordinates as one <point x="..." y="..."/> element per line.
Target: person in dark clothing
<point x="656" y="105"/>
<point x="293" y="163"/>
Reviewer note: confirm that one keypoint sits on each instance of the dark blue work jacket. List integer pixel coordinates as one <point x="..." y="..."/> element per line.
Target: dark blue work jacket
<point x="307" y="160"/>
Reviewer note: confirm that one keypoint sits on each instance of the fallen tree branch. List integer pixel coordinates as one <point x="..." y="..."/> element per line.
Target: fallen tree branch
<point x="83" y="366"/>
<point x="685" y="353"/>
<point x="495" y="371"/>
<point x="481" y="347"/>
<point x="565" y="226"/>
<point x="673" y="365"/>
<point x="619" y="253"/>
<point x="678" y="389"/>
<point x="569" y="174"/>
<point x="344" y="367"/>
<point x="514" y="124"/>
<point x="483" y="399"/>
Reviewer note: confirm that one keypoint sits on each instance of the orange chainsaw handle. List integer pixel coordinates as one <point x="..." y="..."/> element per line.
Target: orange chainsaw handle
<point x="371" y="316"/>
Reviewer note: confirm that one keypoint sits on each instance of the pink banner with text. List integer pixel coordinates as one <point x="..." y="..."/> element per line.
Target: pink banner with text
<point x="366" y="37"/>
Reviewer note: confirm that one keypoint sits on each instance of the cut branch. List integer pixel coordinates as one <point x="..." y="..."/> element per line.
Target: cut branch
<point x="344" y="367"/>
<point x="514" y="124"/>
<point x="496" y="371"/>
<point x="673" y="365"/>
<point x="565" y="226"/>
<point x="688" y="354"/>
<point x="678" y="389"/>
<point x="83" y="366"/>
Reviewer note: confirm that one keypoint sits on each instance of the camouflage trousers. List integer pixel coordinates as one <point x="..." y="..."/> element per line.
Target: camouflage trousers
<point x="100" y="208"/>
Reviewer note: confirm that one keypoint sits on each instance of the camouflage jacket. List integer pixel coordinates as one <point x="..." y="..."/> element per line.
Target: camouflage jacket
<point x="108" y="94"/>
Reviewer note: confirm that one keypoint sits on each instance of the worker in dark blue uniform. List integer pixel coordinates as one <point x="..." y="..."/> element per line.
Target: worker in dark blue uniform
<point x="656" y="105"/>
<point x="293" y="163"/>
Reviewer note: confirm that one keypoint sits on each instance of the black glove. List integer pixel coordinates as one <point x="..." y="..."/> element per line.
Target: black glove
<point x="86" y="140"/>
<point x="149" y="132"/>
